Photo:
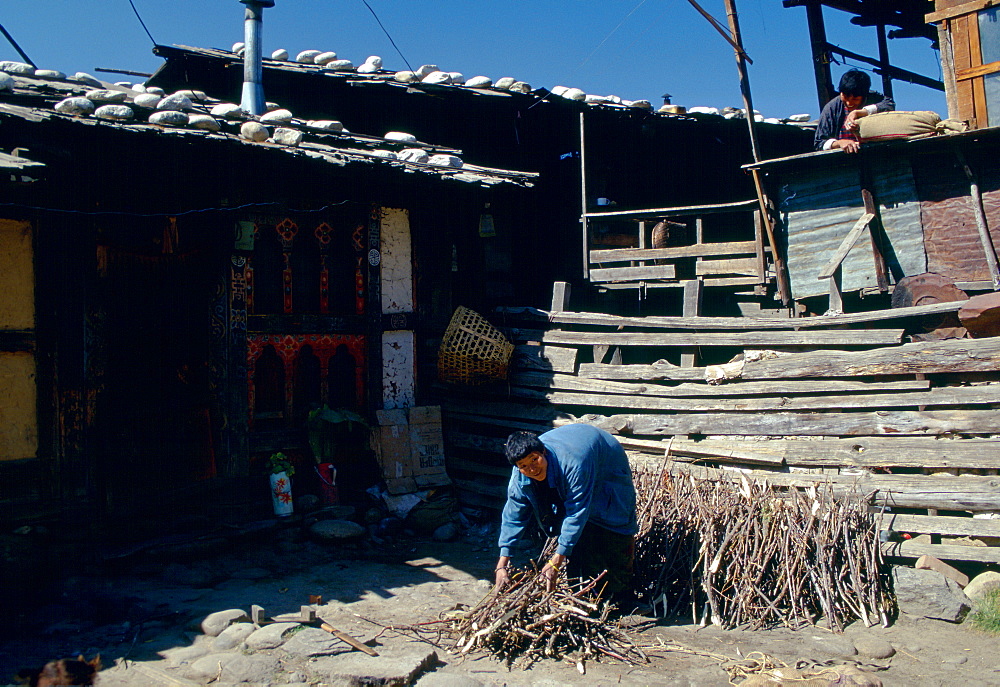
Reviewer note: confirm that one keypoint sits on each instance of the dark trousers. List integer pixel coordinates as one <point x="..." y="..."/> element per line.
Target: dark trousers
<point x="600" y="549"/>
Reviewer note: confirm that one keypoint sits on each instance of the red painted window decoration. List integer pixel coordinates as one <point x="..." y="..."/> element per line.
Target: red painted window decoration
<point x="287" y="230"/>
<point x="324" y="236"/>
<point x="282" y="369"/>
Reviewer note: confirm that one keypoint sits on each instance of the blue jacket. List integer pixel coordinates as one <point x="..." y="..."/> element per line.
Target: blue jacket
<point x="589" y="470"/>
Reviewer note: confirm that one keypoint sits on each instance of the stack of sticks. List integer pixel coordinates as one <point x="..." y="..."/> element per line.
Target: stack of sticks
<point x="523" y="623"/>
<point x="742" y="554"/>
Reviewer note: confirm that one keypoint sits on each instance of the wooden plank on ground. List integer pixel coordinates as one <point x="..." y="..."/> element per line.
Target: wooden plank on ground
<point x="725" y="323"/>
<point x="633" y="273"/>
<point x="946" y="552"/>
<point x="953" y="355"/>
<point x="895" y="422"/>
<point x="563" y="382"/>
<point x="747" y="339"/>
<point x="698" y="250"/>
<point x="943" y="396"/>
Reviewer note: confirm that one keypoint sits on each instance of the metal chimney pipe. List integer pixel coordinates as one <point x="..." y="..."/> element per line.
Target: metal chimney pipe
<point x="253" y="89"/>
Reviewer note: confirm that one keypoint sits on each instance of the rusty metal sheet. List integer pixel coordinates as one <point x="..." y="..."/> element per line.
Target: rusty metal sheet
<point x="950" y="234"/>
<point x="819" y="207"/>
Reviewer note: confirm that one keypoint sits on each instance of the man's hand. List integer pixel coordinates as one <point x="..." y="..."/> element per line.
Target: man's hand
<point x="551" y="571"/>
<point x="847" y="145"/>
<point x="502" y="577"/>
<point x="851" y="122"/>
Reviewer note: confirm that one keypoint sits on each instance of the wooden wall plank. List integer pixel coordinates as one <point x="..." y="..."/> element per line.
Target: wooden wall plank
<point x="910" y="549"/>
<point x="748" y="339"/>
<point x="633" y="273"/>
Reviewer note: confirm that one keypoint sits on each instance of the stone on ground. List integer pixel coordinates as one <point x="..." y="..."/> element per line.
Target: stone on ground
<point x="929" y="594"/>
<point x="393" y="667"/>
<point x="236" y="668"/>
<point x="870" y="646"/>
<point x="337" y="530"/>
<point x="830" y="645"/>
<point x="312" y="641"/>
<point x="270" y="636"/>
<point x="981" y="584"/>
<point x="233" y="636"/>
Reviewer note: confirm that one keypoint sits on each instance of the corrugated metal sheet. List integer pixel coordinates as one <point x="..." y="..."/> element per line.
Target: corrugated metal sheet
<point x="819" y="206"/>
<point x="950" y="234"/>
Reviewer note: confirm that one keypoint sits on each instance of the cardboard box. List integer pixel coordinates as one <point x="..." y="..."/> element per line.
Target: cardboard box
<point x="409" y="445"/>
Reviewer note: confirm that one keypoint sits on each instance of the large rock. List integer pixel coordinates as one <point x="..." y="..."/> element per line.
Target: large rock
<point x="929" y="594"/>
<point x="981" y="315"/>
<point x="406" y="76"/>
<point x="426" y="69"/>
<point x="114" y="113"/>
<point x="6" y="82"/>
<point x="337" y="530"/>
<point x="574" y="94"/>
<point x="168" y="117"/>
<point x="982" y="584"/>
<point x="270" y="636"/>
<point x="215" y="623"/>
<point x="280" y="54"/>
<point x="312" y="641"/>
<point x="75" y="106"/>
<point x="394" y="666"/>
<point x="479" y="82"/>
<point x="236" y="668"/>
<point x="254" y="131"/>
<point x="520" y="87"/>
<point x="505" y="83"/>
<point x="238" y="48"/>
<point x="870" y="646"/>
<point x="49" y="74"/>
<point x="233" y="636"/>
<point x="287" y="137"/>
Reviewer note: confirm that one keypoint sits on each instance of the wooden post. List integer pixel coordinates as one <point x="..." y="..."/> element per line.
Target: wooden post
<point x="560" y="296"/>
<point x="691" y="308"/>
<point x="784" y="292"/>
<point x="883" y="61"/>
<point x="948" y="69"/>
<point x="821" y="61"/>
<point x="583" y="201"/>
<point x="875" y="233"/>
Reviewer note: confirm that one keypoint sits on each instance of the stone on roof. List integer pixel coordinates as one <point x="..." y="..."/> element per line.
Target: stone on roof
<point x="49" y="74"/>
<point x="168" y="117"/>
<point x="75" y="106"/>
<point x="520" y="87"/>
<point x="279" y="116"/>
<point x="175" y="101"/>
<point x="308" y="56"/>
<point x="280" y="54"/>
<point x="479" y="82"/>
<point x="505" y="83"/>
<point x="324" y="58"/>
<point x="427" y="69"/>
<point x="203" y="122"/>
<point x="114" y="113"/>
<point x="437" y="77"/>
<point x="400" y="136"/>
<point x="147" y="100"/>
<point x="12" y="67"/>
<point x="413" y="155"/>
<point x="325" y="124"/>
<point x="84" y="77"/>
<point x="227" y="110"/>
<point x="371" y="65"/>
<point x="103" y="95"/>
<point x="445" y="161"/>
<point x="287" y="137"/>
<point x="340" y="65"/>
<point x="254" y="131"/>
<point x="406" y="76"/>
<point x="6" y="82"/>
<point x="238" y="47"/>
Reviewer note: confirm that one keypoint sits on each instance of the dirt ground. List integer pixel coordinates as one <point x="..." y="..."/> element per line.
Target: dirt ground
<point x="142" y="614"/>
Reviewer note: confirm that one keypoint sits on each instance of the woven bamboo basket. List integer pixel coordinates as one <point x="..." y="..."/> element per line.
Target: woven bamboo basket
<point x="472" y="350"/>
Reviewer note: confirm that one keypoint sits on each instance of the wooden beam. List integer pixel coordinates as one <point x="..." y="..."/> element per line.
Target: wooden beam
<point x="946" y="552"/>
<point x="633" y="273"/>
<point x="546" y="358"/>
<point x="681" y="211"/>
<point x="781" y="388"/>
<point x="944" y="396"/>
<point x="877" y="423"/>
<point x="875" y="235"/>
<point x="958" y="10"/>
<point x="642" y="372"/>
<point x="560" y="296"/>
<point x="693" y="291"/>
<point x="747" y="339"/>
<point x="940" y="524"/>
<point x="746" y="266"/>
<point x="695" y="251"/>
<point x="845" y="246"/>
<point x="975" y="72"/>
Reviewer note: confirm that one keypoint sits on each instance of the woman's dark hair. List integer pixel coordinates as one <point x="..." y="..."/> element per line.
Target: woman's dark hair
<point x="520" y="444"/>
<point x="855" y="82"/>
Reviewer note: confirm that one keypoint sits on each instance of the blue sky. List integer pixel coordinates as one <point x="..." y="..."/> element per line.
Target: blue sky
<point x="631" y="48"/>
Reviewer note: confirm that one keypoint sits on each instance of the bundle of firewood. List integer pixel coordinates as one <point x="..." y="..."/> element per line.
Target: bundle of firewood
<point x="523" y="623"/>
<point x="743" y="554"/>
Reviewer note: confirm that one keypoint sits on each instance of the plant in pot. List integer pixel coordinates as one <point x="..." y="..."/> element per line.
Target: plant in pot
<point x="282" y="470"/>
<point x="336" y="436"/>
